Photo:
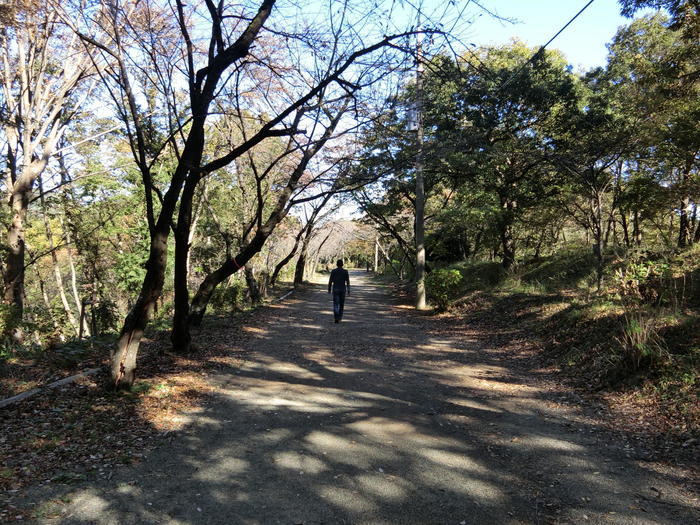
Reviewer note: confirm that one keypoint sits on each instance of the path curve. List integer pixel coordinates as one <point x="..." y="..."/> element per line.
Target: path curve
<point x="371" y="421"/>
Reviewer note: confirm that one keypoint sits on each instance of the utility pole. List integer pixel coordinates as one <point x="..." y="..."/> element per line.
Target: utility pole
<point x="420" y="183"/>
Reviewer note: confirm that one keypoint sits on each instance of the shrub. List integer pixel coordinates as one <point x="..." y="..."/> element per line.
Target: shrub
<point x="442" y="286"/>
<point x="644" y="281"/>
<point x="107" y="316"/>
<point x="641" y="344"/>
<point x="228" y="298"/>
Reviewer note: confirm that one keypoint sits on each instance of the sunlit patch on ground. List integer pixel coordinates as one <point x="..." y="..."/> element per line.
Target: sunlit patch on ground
<point x="254" y="330"/>
<point x="375" y="421"/>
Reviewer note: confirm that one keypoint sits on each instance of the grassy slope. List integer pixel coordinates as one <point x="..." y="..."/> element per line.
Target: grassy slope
<point x="640" y="353"/>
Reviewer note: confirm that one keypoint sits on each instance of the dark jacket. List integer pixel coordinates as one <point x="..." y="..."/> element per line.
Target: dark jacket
<point x="339" y="280"/>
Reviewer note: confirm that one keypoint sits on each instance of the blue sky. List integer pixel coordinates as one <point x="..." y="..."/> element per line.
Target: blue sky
<point x="583" y="42"/>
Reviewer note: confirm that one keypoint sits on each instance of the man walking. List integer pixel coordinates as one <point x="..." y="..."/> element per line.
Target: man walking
<point x="340" y="283"/>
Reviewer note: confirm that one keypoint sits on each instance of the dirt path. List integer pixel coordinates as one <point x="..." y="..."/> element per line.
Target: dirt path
<point x="372" y="421"/>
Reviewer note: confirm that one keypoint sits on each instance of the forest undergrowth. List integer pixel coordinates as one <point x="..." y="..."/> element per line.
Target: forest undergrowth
<point x="634" y="346"/>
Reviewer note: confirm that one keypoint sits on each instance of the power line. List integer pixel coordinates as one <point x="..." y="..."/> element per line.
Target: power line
<point x="541" y="49"/>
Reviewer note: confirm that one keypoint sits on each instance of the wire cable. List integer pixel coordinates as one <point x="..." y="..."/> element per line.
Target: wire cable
<point x="541" y="49"/>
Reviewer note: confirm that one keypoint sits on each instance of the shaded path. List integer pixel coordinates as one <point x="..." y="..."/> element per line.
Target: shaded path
<point x="372" y="421"/>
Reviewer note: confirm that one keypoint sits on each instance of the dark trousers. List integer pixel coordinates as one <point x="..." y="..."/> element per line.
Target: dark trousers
<point x="338" y="304"/>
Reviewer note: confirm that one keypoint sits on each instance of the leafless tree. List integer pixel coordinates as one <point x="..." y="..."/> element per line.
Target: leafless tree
<point x="43" y="69"/>
<point x="173" y="70"/>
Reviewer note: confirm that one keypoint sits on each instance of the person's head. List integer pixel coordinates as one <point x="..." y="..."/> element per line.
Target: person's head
<point x="340" y="263"/>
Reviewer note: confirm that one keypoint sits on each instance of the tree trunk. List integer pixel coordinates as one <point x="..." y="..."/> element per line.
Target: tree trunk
<point x="35" y="96"/>
<point x="123" y="365"/>
<point x="314" y="265"/>
<point x="200" y="301"/>
<point x="598" y="236"/>
<point x="74" y="285"/>
<point x="376" y="255"/>
<point x="684" y="224"/>
<point x="124" y="356"/>
<point x="508" y="247"/>
<point x="180" y="334"/>
<point x="287" y="258"/>
<point x="252" y="283"/>
<point x="123" y="359"/>
<point x="61" y="291"/>
<point x="625" y="228"/>
<point x="301" y="263"/>
<point x="505" y="227"/>
<point x="196" y="214"/>
<point x="609" y="228"/>
<point x="477" y="243"/>
<point x="14" y="263"/>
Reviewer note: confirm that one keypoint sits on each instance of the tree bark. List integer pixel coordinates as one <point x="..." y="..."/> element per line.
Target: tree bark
<point x="287" y="258"/>
<point x="685" y="227"/>
<point x="14" y="262"/>
<point x="419" y="219"/>
<point x="301" y="263"/>
<point x="508" y="246"/>
<point x="47" y="304"/>
<point x="625" y="228"/>
<point x="123" y="358"/>
<point x="200" y="301"/>
<point x="36" y="92"/>
<point x="684" y="232"/>
<point x="180" y="335"/>
<point x="598" y="236"/>
<point x="202" y="91"/>
<point x="505" y="227"/>
<point x="375" y="267"/>
<point x="252" y="283"/>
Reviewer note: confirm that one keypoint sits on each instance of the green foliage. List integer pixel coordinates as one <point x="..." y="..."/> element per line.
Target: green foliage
<point x="129" y="269"/>
<point x="9" y="320"/>
<point x="663" y="279"/>
<point x="567" y="268"/>
<point x="640" y="341"/>
<point x="641" y="279"/>
<point x="481" y="275"/>
<point x="229" y="298"/>
<point x="37" y="326"/>
<point x="141" y="387"/>
<point x="107" y="316"/>
<point x="443" y="285"/>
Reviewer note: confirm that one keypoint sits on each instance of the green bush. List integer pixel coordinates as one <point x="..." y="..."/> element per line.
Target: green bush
<point x="442" y="286"/>
<point x="646" y="282"/>
<point x="640" y="342"/>
<point x="228" y="298"/>
<point x="482" y="275"/>
<point x="107" y="316"/>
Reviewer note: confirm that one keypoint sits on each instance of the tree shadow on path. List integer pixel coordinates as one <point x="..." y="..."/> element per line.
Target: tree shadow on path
<point x="374" y="421"/>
